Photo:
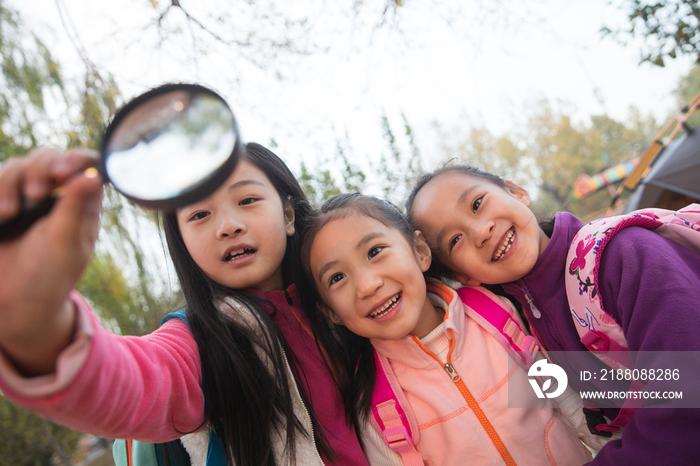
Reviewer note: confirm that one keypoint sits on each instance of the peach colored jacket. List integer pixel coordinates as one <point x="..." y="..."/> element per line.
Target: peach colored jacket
<point x="469" y="421"/>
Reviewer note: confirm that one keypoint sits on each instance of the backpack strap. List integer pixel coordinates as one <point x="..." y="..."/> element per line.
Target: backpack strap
<point x="215" y="449"/>
<point x="492" y="314"/>
<point x="393" y="414"/>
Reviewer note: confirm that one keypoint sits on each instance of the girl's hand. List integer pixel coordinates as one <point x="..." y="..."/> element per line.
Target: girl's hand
<point x="41" y="267"/>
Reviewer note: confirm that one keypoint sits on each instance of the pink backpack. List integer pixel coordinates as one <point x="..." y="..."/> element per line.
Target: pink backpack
<point x="599" y="331"/>
<point x="390" y="408"/>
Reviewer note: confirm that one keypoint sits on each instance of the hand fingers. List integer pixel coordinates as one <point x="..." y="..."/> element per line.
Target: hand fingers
<point x="49" y="168"/>
<point x="74" y="221"/>
<point x="75" y="160"/>
<point x="37" y="174"/>
<point x="36" y="178"/>
<point x="11" y="177"/>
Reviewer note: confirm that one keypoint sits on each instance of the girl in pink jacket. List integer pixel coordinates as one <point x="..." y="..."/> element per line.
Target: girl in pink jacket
<point x="271" y="398"/>
<point x="367" y="265"/>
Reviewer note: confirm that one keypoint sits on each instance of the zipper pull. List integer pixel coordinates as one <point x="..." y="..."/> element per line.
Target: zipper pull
<point x="453" y="373"/>
<point x="531" y="302"/>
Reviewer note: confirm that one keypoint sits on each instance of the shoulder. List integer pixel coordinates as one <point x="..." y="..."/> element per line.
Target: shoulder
<point x="650" y="284"/>
<point x="638" y="245"/>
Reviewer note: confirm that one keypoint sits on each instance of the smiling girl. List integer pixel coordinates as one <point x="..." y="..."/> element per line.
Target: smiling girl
<point x="367" y="265"/>
<point x="481" y="230"/>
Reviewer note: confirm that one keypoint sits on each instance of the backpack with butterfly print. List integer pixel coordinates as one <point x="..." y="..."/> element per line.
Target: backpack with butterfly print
<point x="599" y="331"/>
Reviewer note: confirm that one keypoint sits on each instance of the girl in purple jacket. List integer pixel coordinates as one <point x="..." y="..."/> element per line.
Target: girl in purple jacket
<point x="481" y="231"/>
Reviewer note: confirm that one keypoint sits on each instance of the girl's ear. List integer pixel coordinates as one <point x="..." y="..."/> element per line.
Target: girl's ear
<point x="289" y="216"/>
<point x="520" y="193"/>
<point x="328" y="312"/>
<point x="423" y="253"/>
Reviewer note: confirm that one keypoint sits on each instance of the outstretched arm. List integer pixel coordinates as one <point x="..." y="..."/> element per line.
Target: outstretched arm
<point x="41" y="267"/>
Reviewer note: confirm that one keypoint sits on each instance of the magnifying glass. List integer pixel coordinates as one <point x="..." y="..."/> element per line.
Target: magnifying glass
<point x="167" y="148"/>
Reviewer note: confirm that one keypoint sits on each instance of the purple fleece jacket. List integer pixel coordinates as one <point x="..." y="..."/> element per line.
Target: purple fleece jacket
<point x="651" y="286"/>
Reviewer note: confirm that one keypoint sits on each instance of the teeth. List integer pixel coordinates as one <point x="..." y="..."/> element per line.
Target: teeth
<point x="505" y="247"/>
<point x="238" y="253"/>
<point x="386" y="308"/>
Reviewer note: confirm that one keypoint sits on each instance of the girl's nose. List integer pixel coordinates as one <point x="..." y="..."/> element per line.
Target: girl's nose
<point x="369" y="285"/>
<point x="484" y="232"/>
<point x="230" y="226"/>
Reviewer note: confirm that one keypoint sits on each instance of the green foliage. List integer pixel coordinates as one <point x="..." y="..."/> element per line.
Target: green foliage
<point x="393" y="174"/>
<point x="552" y="153"/>
<point x="28" y="73"/>
<point x="500" y="155"/>
<point x="29" y="440"/>
<point x="322" y="183"/>
<point x="689" y="86"/>
<point x="688" y="89"/>
<point x="318" y="185"/>
<point x="123" y="307"/>
<point x="668" y="28"/>
<point x="398" y="172"/>
<point x="98" y="103"/>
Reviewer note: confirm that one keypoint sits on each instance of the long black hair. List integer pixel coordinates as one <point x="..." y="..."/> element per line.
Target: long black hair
<point x="247" y="403"/>
<point x="358" y="352"/>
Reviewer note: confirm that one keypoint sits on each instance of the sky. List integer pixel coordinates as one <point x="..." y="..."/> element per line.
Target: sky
<point x="457" y="63"/>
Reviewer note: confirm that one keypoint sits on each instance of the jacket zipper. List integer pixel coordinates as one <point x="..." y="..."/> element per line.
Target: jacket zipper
<point x="550" y="325"/>
<point x="293" y="382"/>
<point x="469" y="398"/>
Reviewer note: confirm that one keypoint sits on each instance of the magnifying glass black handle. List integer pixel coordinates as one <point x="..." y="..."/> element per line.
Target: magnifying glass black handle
<point x="15" y="227"/>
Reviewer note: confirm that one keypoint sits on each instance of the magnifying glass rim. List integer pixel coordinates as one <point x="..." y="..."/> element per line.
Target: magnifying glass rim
<point x="201" y="189"/>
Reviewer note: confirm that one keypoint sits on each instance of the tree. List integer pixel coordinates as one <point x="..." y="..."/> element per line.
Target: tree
<point x="29" y="440"/>
<point x="548" y="156"/>
<point x="29" y="75"/>
<point x="668" y="29"/>
<point x="688" y="88"/>
<point x="393" y="175"/>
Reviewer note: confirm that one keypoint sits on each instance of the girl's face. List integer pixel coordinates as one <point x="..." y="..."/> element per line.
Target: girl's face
<point x="371" y="278"/>
<point x="479" y="230"/>
<point x="238" y="235"/>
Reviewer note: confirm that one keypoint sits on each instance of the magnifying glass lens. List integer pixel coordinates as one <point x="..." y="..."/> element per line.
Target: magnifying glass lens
<point x="168" y="145"/>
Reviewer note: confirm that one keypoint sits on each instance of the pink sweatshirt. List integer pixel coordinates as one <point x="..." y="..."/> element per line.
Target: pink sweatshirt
<point x="468" y="420"/>
<point x="149" y="388"/>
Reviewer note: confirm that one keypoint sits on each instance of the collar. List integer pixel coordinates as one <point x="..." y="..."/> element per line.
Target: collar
<point x="278" y="298"/>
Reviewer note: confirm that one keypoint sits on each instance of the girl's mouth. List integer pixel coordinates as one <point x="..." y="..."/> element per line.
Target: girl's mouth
<point x="237" y="254"/>
<point x="386" y="308"/>
<point x="505" y="247"/>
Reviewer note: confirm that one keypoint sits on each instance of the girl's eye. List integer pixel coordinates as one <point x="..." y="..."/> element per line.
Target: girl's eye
<point x="198" y="215"/>
<point x="453" y="241"/>
<point x="477" y="203"/>
<point x="336" y="278"/>
<point x="247" y="201"/>
<point x="374" y="251"/>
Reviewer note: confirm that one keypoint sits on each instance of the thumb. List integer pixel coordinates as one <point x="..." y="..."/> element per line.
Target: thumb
<point x="74" y="221"/>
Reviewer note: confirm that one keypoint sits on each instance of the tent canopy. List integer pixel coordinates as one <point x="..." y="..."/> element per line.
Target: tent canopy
<point x="674" y="179"/>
